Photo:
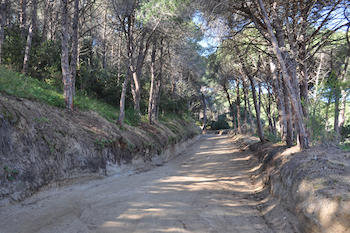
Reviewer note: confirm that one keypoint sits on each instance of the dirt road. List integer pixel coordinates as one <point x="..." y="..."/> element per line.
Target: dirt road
<point x="205" y="189"/>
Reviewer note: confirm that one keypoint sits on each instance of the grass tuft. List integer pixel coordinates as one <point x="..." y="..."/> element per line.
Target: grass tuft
<point x="16" y="84"/>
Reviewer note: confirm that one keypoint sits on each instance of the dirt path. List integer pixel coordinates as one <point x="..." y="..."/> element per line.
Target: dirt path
<point x="205" y="189"/>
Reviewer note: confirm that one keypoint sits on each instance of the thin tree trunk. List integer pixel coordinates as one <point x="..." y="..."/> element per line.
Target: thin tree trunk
<point x="344" y="77"/>
<point x="249" y="111"/>
<point x="204" y="126"/>
<point x="30" y="37"/>
<point x="27" y="50"/>
<point x="344" y="95"/>
<point x="336" y="109"/>
<point x="289" y="117"/>
<point x="230" y="104"/>
<point x="238" y="108"/>
<point x="159" y="83"/>
<point x="47" y="15"/>
<point x="66" y="74"/>
<point x="268" y="111"/>
<point x="304" y="78"/>
<point x="245" y="105"/>
<point x="3" y="4"/>
<point x="104" y="41"/>
<point x="152" y="96"/>
<point x="278" y="89"/>
<point x="23" y="17"/>
<point x="327" y="110"/>
<point x="257" y="111"/>
<point x="303" y="139"/>
<point x="75" y="41"/>
<point x="122" y="100"/>
<point x="315" y="94"/>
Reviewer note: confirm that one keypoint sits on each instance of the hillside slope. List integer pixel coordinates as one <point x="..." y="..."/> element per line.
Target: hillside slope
<point x="40" y="144"/>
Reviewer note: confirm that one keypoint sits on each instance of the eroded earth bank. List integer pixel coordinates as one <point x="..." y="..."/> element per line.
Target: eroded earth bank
<point x="207" y="188"/>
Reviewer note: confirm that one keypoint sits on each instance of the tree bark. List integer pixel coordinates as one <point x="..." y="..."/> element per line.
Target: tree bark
<point x="152" y="96"/>
<point x="122" y="100"/>
<point x="336" y="95"/>
<point x="344" y="95"/>
<point x="257" y="110"/>
<point x="289" y="117"/>
<point x="238" y="107"/>
<point x="278" y="89"/>
<point x="3" y="6"/>
<point x="47" y="14"/>
<point x="30" y="37"/>
<point x="66" y="74"/>
<point x="204" y="104"/>
<point x="159" y="83"/>
<point x="75" y="41"/>
<point x="248" y="107"/>
<point x="327" y="110"/>
<point x="245" y="106"/>
<point x="229" y="102"/>
<point x="303" y="139"/>
<point x="23" y="17"/>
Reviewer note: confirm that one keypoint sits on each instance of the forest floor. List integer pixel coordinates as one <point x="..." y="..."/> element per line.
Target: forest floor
<point x="207" y="188"/>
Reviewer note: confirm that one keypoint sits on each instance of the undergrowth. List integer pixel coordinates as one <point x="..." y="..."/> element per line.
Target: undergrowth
<point x="19" y="85"/>
<point x="16" y="84"/>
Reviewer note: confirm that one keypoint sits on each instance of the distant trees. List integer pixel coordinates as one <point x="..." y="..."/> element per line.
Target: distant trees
<point x="104" y="48"/>
<point x="3" y="15"/>
<point x="288" y="34"/>
<point x="278" y="63"/>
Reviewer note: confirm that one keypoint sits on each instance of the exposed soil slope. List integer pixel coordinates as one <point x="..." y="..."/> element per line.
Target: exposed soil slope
<point x="40" y="144"/>
<point x="205" y="189"/>
<point x="314" y="184"/>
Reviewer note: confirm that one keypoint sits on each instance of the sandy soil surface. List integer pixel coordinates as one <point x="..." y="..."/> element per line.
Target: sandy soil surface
<point x="205" y="189"/>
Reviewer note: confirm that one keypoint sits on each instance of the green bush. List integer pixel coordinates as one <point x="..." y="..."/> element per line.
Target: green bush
<point x="345" y="131"/>
<point x="221" y="123"/>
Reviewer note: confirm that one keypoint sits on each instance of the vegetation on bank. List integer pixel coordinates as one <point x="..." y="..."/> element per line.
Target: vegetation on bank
<point x="16" y="84"/>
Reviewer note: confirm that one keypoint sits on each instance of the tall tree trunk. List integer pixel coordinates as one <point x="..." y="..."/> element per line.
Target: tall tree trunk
<point x="75" y="41"/>
<point x="230" y="103"/>
<point x="122" y="100"/>
<point x="336" y="108"/>
<point x="104" y="41"/>
<point x="47" y="12"/>
<point x="152" y="96"/>
<point x="238" y="107"/>
<point x="278" y="89"/>
<point x="344" y="96"/>
<point x="204" y="104"/>
<point x="327" y="110"/>
<point x="27" y="50"/>
<point x="268" y="111"/>
<point x="249" y="112"/>
<point x="245" y="105"/>
<point x="304" y="86"/>
<point x="303" y="138"/>
<point x="257" y="110"/>
<point x="344" y="78"/>
<point x="317" y="84"/>
<point x="31" y="30"/>
<point x="158" y="83"/>
<point x="66" y="74"/>
<point x="23" y="17"/>
<point x="3" y="6"/>
<point x="289" y="117"/>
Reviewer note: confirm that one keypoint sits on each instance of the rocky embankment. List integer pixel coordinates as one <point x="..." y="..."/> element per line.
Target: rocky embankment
<point x="314" y="185"/>
<point x="41" y="144"/>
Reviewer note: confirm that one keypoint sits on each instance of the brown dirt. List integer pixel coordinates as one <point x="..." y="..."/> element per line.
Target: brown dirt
<point x="314" y="184"/>
<point x="208" y="188"/>
<point x="41" y="144"/>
